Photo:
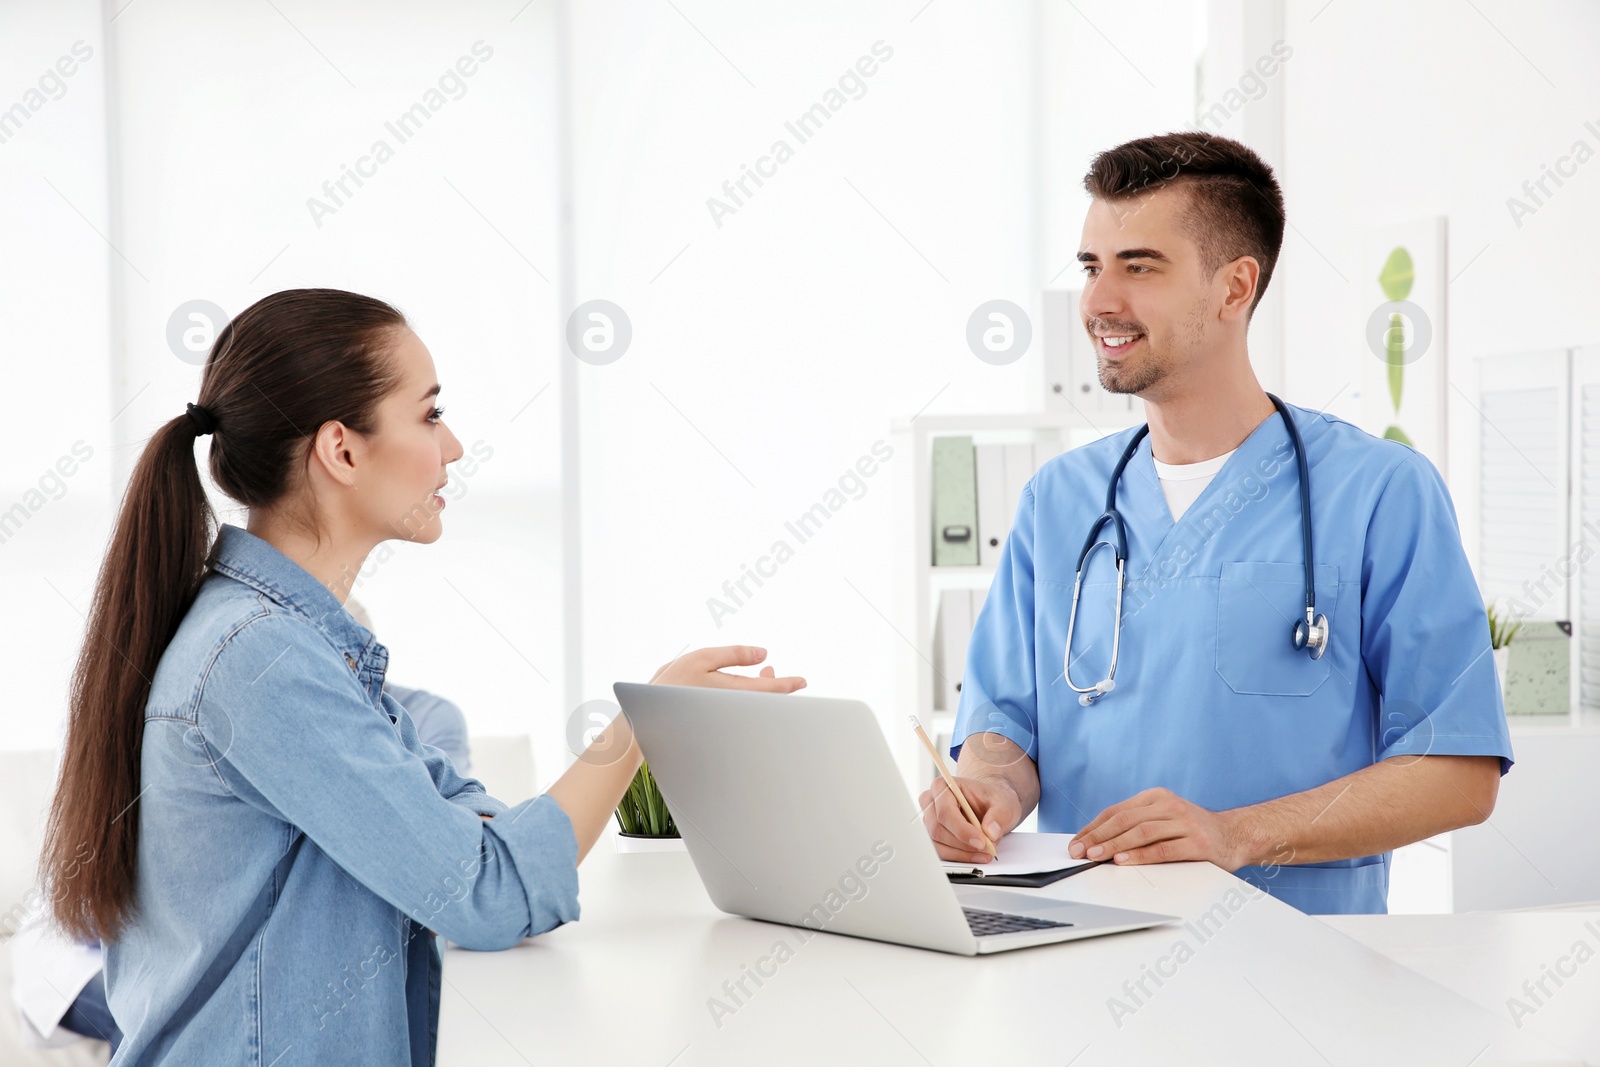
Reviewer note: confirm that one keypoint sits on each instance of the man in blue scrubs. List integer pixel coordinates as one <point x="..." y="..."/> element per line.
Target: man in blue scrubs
<point x="1221" y="741"/>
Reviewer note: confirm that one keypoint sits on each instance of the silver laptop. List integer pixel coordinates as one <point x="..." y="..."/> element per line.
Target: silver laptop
<point x="794" y="812"/>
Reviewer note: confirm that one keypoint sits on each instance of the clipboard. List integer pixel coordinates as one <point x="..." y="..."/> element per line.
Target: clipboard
<point x="1025" y="881"/>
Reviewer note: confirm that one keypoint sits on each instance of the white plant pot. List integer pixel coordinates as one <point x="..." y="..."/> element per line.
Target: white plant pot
<point x="633" y="843"/>
<point x="1502" y="660"/>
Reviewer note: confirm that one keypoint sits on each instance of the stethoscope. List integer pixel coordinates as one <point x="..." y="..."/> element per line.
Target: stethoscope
<point x="1310" y="632"/>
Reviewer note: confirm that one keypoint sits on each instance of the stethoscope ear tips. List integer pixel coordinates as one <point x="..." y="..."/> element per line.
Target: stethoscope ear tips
<point x="1101" y="688"/>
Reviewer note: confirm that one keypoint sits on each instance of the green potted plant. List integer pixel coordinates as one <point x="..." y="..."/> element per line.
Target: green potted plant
<point x="643" y="821"/>
<point x="1501" y="631"/>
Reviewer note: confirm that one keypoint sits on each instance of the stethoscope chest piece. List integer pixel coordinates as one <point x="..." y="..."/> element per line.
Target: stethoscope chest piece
<point x="1311" y="633"/>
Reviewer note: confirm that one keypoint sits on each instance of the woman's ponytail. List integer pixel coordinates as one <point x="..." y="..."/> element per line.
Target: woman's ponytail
<point x="151" y="571"/>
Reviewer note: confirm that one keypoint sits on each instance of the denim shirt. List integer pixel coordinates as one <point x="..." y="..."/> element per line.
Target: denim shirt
<point x="438" y="720"/>
<point x="297" y="842"/>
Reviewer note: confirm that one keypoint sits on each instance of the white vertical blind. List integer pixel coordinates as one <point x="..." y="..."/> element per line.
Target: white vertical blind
<point x="1586" y="538"/>
<point x="1523" y="499"/>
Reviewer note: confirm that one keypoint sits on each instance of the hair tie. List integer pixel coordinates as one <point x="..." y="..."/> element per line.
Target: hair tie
<point x="202" y="419"/>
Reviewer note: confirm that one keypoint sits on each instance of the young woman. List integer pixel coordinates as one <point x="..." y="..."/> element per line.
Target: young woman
<point x="244" y="817"/>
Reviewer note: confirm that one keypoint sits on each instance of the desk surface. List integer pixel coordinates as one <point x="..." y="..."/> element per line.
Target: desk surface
<point x="1540" y="969"/>
<point x="640" y="979"/>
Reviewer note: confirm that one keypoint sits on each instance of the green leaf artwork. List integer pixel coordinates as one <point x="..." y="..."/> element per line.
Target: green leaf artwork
<point x="1395" y="433"/>
<point x="1394" y="352"/>
<point x="1395" y="279"/>
<point x="1397" y="275"/>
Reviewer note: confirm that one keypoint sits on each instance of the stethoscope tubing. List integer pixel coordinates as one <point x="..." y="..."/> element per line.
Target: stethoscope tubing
<point x="1118" y="543"/>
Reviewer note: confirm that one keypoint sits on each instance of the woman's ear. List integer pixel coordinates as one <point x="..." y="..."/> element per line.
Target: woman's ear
<point x="339" y="451"/>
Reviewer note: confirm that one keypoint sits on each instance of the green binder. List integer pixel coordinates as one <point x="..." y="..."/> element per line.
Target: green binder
<point x="955" y="503"/>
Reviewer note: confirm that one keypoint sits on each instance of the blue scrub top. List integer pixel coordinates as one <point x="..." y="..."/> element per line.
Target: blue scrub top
<point x="1212" y="701"/>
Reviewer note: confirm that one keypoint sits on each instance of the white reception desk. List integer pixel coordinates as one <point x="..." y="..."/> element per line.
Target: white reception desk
<point x="649" y="976"/>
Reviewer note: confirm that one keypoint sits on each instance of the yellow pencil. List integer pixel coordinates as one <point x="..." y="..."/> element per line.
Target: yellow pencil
<point x="949" y="780"/>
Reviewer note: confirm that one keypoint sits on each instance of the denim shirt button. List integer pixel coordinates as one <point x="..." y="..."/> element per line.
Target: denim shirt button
<point x="350" y="660"/>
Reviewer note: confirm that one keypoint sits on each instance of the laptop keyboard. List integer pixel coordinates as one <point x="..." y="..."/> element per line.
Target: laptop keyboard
<point x="987" y="923"/>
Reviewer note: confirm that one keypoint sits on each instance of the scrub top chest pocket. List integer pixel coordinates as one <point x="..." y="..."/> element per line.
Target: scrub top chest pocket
<point x="1258" y="605"/>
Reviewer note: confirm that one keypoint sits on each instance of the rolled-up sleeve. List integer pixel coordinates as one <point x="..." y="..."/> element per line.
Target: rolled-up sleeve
<point x="1424" y="632"/>
<point x="301" y="739"/>
<point x="999" y="692"/>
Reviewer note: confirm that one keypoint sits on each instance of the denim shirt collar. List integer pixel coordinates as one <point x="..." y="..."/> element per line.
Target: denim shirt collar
<point x="244" y="557"/>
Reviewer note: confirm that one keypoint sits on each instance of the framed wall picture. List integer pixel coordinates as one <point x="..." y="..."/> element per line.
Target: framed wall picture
<point x="1404" y="369"/>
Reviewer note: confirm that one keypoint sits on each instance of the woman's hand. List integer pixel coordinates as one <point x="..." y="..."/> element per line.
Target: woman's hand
<point x="591" y="788"/>
<point x="705" y="667"/>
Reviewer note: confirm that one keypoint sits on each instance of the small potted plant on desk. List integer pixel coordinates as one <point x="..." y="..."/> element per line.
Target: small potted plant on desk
<point x="1501" y="631"/>
<point x="643" y="820"/>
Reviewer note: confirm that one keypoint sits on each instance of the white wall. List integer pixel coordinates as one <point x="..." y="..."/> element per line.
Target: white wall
<point x="774" y="350"/>
<point x="1104" y="79"/>
<point x="228" y="121"/>
<point x="54" y="286"/>
<point x="1401" y="111"/>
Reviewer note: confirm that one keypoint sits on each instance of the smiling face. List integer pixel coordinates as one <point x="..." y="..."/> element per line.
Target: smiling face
<point x="403" y="466"/>
<point x="1149" y="309"/>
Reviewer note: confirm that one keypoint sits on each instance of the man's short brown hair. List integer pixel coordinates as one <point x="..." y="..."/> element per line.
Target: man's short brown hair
<point x="1235" y="204"/>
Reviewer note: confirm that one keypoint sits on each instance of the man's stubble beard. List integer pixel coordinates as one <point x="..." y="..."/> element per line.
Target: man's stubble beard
<point x="1156" y="365"/>
<point x="1126" y="379"/>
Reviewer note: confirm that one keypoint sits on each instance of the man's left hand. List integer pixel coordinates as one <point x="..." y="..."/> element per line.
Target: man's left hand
<point x="1158" y="826"/>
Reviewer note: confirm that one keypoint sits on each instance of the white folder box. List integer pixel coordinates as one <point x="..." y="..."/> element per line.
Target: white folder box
<point x="958" y="614"/>
<point x="995" y="507"/>
<point x="1002" y="474"/>
<point x="1019" y="468"/>
<point x="951" y="630"/>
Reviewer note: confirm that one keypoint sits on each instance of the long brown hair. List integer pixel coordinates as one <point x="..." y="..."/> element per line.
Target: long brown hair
<point x="281" y="369"/>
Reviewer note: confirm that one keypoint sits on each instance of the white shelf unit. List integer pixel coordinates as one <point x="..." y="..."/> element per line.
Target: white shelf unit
<point x="921" y="581"/>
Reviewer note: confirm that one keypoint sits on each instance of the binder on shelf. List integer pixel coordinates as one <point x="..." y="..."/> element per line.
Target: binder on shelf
<point x="995" y="507"/>
<point x="1071" y="369"/>
<point x="1019" y="468"/>
<point x="952" y="629"/>
<point x="955" y="503"/>
<point x="1002" y="473"/>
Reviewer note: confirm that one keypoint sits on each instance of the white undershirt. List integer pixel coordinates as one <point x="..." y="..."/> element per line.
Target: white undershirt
<point x="1184" y="482"/>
